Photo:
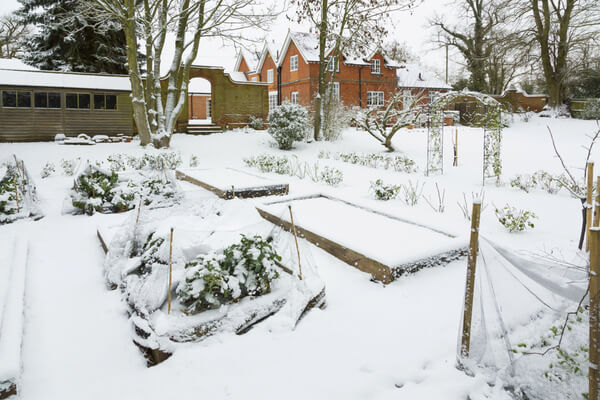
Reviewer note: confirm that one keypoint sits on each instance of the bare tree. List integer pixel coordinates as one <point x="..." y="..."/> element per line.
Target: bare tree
<point x="562" y="30"/>
<point x="12" y="34"/>
<point x="153" y="23"/>
<point x="345" y="26"/>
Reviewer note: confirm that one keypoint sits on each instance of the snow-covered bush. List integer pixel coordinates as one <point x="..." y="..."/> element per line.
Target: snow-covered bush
<point x="243" y="269"/>
<point x="68" y="166"/>
<point x="9" y="192"/>
<point x="47" y="170"/>
<point x="156" y="162"/>
<point x="194" y="161"/>
<point x="383" y="191"/>
<point x="257" y="123"/>
<point x="523" y="182"/>
<point x="18" y="197"/>
<point x="336" y="119"/>
<point x="331" y="176"/>
<point x="295" y="167"/>
<point x="288" y="123"/>
<point x="591" y="109"/>
<point x="117" y="162"/>
<point x="269" y="163"/>
<point x="93" y="191"/>
<point x="548" y="182"/>
<point x="397" y="163"/>
<point x="514" y="219"/>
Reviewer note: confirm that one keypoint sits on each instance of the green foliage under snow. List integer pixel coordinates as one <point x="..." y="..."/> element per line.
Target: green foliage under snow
<point x="284" y="165"/>
<point x="243" y="269"/>
<point x="288" y="123"/>
<point x="514" y="219"/>
<point x="383" y="191"/>
<point x="397" y="163"/>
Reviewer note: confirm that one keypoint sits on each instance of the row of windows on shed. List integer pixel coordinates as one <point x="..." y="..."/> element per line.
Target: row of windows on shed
<point x="22" y="99"/>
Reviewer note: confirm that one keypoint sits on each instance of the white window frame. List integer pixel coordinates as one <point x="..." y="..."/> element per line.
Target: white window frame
<point x="433" y="94"/>
<point x="294" y="97"/>
<point x="255" y="79"/>
<point x="270" y="75"/>
<point x="406" y="99"/>
<point x="294" y="63"/>
<point x="375" y="66"/>
<point x="375" y="98"/>
<point x="336" y="91"/>
<point x="332" y="62"/>
<point x="272" y="100"/>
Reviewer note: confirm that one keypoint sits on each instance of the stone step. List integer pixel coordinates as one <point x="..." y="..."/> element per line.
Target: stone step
<point x="203" y="129"/>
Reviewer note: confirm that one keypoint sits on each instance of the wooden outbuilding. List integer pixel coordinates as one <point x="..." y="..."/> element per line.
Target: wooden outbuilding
<point x="37" y="105"/>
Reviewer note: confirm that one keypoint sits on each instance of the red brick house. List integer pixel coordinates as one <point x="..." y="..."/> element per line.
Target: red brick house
<point x="416" y="82"/>
<point x="293" y="72"/>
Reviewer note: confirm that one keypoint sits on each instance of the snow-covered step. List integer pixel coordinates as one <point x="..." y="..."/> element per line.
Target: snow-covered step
<point x="12" y="321"/>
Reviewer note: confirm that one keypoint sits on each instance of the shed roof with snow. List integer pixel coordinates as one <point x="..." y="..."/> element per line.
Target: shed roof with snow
<point x="416" y="76"/>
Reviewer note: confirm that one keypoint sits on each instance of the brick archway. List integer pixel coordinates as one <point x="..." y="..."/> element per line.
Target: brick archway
<point x="233" y="102"/>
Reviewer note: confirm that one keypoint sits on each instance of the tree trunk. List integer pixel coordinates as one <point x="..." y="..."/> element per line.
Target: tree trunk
<point x="140" y="114"/>
<point x="322" y="69"/>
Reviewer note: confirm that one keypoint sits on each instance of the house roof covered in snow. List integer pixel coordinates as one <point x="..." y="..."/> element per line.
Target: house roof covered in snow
<point x="69" y="80"/>
<point x="250" y="58"/>
<point x="14" y="63"/>
<point x="308" y="46"/>
<point x="416" y="76"/>
<point x="269" y="48"/>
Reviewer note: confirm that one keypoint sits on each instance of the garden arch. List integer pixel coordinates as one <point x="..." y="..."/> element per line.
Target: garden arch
<point x="490" y="120"/>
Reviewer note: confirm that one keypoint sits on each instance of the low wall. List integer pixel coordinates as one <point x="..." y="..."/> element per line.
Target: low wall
<point x="515" y="100"/>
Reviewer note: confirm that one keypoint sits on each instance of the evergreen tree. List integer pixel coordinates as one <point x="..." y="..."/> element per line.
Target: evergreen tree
<point x="68" y="40"/>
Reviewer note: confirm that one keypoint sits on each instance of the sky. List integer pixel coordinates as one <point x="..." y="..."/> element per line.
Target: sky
<point x="408" y="27"/>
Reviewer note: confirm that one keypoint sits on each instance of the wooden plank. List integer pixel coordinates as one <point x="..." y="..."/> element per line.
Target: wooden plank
<point x="278" y="189"/>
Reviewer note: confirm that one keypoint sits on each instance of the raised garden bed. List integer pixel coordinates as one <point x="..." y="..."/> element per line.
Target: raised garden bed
<point x="137" y="264"/>
<point x="380" y="244"/>
<point x="228" y="183"/>
<point x="13" y="272"/>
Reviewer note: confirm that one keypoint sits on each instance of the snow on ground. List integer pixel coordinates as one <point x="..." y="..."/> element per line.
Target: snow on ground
<point x="376" y="342"/>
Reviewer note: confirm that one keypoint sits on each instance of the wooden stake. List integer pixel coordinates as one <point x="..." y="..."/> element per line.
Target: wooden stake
<point x="137" y="219"/>
<point x="17" y="194"/>
<point x="232" y="192"/>
<point x="597" y="203"/>
<point x="296" y="240"/>
<point x="455" y="147"/>
<point x="589" y="201"/>
<point x="470" y="286"/>
<point x="594" y="375"/>
<point x="170" y="269"/>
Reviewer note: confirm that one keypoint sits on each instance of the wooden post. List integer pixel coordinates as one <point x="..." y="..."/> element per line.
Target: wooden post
<point x="137" y="219"/>
<point x="232" y="192"/>
<point x="470" y="286"/>
<point x="16" y="194"/>
<point x="594" y="375"/>
<point x="589" y="201"/>
<point x="296" y="240"/>
<point x="170" y="269"/>
<point x="455" y="147"/>
<point x="597" y="203"/>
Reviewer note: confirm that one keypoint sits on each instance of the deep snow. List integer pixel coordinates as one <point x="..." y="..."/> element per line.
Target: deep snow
<point x="376" y="342"/>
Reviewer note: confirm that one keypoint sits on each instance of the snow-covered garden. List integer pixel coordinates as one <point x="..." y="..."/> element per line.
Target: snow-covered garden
<point x="366" y="340"/>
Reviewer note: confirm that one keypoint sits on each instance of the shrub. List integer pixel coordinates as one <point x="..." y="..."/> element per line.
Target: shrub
<point x="591" y="109"/>
<point x="411" y="193"/>
<point x="374" y="160"/>
<point x="9" y="197"/>
<point x="93" y="190"/>
<point x="331" y="176"/>
<point x="68" y="166"/>
<point x="269" y="163"/>
<point x="194" y="161"/>
<point x="243" y="269"/>
<point x="523" y="182"/>
<point x="336" y="118"/>
<point x="288" y="123"/>
<point x="514" y="219"/>
<point x="381" y="191"/>
<point x="257" y="123"/>
<point x="47" y="170"/>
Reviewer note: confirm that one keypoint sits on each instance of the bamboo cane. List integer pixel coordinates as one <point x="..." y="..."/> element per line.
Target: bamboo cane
<point x="137" y="219"/>
<point x="170" y="269"/>
<point x="456" y="147"/>
<point x="470" y="285"/>
<point x="17" y="195"/>
<point x="296" y="240"/>
<point x="589" y="200"/>
<point x="593" y="374"/>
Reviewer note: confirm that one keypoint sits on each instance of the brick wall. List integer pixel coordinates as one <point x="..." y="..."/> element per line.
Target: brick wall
<point x="514" y="101"/>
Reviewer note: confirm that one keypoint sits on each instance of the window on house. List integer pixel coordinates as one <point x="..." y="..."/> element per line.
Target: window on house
<point x="46" y="100"/>
<point x="12" y="98"/>
<point x="336" y="91"/>
<point x="105" y="102"/>
<point x="78" y="100"/>
<point x="272" y="100"/>
<point x="433" y="95"/>
<point x="270" y="76"/>
<point x="375" y="66"/>
<point x="406" y="99"/>
<point x="294" y="98"/>
<point x="294" y="63"/>
<point x="255" y="79"/>
<point x="333" y="63"/>
<point x="375" y="99"/>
